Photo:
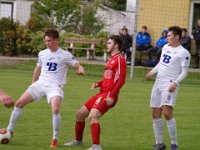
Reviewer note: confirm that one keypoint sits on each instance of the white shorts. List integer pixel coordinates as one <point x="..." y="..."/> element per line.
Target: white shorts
<point x="38" y="89"/>
<point x="161" y="96"/>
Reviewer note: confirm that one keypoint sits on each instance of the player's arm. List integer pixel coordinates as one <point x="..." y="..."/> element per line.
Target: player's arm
<point x="153" y="71"/>
<point x="79" y="69"/>
<point x="118" y="85"/>
<point x="7" y="100"/>
<point x="36" y="73"/>
<point x="173" y="85"/>
<point x="120" y="82"/>
<point x="96" y="84"/>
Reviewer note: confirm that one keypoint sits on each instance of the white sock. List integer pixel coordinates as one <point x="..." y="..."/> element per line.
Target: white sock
<point x="56" y="125"/>
<point x="171" y="124"/>
<point x="15" y="115"/>
<point x="158" y="130"/>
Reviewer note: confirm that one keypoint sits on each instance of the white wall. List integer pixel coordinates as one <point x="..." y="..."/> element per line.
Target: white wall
<point x="115" y="20"/>
<point x="21" y="10"/>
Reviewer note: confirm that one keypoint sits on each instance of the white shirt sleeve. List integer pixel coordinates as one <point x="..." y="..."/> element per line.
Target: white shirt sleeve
<point x="185" y="59"/>
<point x="155" y="69"/>
<point x="70" y="60"/>
<point x="182" y="75"/>
<point x="39" y="62"/>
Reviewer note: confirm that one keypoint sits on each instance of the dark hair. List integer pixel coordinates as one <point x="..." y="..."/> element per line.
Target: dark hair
<point x="117" y="40"/>
<point x="184" y="29"/>
<point x="144" y="27"/>
<point x="124" y="28"/>
<point x="52" y="33"/>
<point x="176" y="31"/>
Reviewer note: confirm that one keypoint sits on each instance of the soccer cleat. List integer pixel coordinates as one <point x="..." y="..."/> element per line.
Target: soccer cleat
<point x="174" y="147"/>
<point x="54" y="143"/>
<point x="95" y="147"/>
<point x="160" y="146"/>
<point x="74" y="143"/>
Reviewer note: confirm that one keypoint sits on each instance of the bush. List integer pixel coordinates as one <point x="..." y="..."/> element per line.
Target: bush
<point x="15" y="38"/>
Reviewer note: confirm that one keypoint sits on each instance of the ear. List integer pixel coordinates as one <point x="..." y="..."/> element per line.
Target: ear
<point x="116" y="46"/>
<point x="177" y="37"/>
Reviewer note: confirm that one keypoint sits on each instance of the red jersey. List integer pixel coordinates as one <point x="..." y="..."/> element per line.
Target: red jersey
<point x="114" y="75"/>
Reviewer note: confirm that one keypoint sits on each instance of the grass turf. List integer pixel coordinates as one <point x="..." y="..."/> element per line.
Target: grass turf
<point x="128" y="126"/>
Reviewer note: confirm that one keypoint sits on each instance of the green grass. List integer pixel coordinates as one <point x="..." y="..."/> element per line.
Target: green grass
<point x="128" y="126"/>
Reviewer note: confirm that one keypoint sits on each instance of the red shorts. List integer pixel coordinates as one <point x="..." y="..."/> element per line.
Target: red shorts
<point x="98" y="101"/>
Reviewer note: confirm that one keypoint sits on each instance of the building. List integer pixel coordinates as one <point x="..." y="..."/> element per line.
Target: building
<point x="19" y="10"/>
<point x="158" y="15"/>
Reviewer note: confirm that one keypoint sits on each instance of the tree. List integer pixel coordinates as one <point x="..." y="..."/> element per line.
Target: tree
<point x="57" y="13"/>
<point x="115" y="4"/>
<point x="90" y="24"/>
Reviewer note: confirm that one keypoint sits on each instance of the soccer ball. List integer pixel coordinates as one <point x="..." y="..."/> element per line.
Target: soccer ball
<point x="5" y="136"/>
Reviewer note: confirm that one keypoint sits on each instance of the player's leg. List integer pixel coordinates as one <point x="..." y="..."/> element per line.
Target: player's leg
<point x="100" y="107"/>
<point x="81" y="114"/>
<point x="158" y="128"/>
<point x="171" y="125"/>
<point x="94" y="116"/>
<point x="56" y="118"/>
<point x="168" y="102"/>
<point x="16" y="113"/>
<point x="155" y="104"/>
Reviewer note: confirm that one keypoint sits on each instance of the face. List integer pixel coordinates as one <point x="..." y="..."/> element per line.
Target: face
<point x="124" y="32"/>
<point x="164" y="34"/>
<point x="50" y="42"/>
<point x="109" y="46"/>
<point x="144" y="30"/>
<point x="172" y="39"/>
<point x="184" y="34"/>
<point x="198" y="22"/>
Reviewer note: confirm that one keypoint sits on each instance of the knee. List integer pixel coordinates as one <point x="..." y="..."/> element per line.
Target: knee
<point x="55" y="110"/>
<point x="80" y="115"/>
<point x="168" y="116"/>
<point x="93" y="118"/>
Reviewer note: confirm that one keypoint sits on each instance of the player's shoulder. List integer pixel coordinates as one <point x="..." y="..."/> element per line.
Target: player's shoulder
<point x="64" y="52"/>
<point x="165" y="47"/>
<point x="183" y="51"/>
<point x="42" y="52"/>
<point x="120" y="57"/>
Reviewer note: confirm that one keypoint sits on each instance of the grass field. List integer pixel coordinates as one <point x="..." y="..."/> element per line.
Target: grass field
<point x="128" y="126"/>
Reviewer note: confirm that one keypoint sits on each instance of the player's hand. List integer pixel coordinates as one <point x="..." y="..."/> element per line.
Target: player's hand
<point x="172" y="87"/>
<point x="94" y="85"/>
<point x="7" y="100"/>
<point x="149" y="75"/>
<point x="109" y="101"/>
<point x="80" y="70"/>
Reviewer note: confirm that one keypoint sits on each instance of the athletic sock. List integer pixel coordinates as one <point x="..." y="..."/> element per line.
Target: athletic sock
<point x="171" y="125"/>
<point x="79" y="128"/>
<point x="158" y="130"/>
<point x="15" y="115"/>
<point x="56" y="125"/>
<point x="95" y="132"/>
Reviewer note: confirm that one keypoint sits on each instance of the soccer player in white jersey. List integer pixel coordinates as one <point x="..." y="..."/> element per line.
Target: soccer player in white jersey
<point x="171" y="70"/>
<point x="48" y="80"/>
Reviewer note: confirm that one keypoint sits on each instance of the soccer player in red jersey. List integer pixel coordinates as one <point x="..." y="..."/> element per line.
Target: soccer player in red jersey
<point x="99" y="104"/>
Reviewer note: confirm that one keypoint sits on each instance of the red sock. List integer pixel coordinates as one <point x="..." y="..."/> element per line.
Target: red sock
<point x="79" y="128"/>
<point x="95" y="132"/>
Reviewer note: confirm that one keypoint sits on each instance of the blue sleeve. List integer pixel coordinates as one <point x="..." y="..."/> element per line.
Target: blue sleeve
<point x="148" y="40"/>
